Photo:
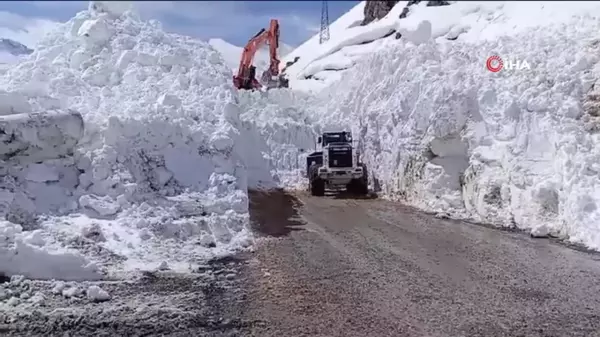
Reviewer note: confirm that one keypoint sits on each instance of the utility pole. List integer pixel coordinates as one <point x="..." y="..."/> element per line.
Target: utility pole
<point x="324" y="33"/>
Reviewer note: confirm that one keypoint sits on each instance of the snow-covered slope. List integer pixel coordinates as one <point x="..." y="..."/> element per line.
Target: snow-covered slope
<point x="14" y="48"/>
<point x="160" y="174"/>
<point x="441" y="132"/>
<point x="232" y="54"/>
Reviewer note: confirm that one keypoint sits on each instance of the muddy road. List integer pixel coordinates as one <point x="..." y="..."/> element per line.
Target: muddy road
<point x="343" y="267"/>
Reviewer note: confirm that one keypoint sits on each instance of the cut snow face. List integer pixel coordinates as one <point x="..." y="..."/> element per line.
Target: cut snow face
<point x="150" y="178"/>
<point x="277" y="135"/>
<point x="518" y="147"/>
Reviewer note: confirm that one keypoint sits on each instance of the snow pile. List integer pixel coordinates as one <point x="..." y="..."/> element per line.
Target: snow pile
<point x="518" y="147"/>
<point x="155" y="179"/>
<point x="22" y="253"/>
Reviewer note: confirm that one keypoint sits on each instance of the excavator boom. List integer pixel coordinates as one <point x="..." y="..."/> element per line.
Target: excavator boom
<point x="246" y="75"/>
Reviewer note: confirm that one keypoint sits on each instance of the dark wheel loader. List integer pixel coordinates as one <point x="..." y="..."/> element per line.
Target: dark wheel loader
<point x="336" y="166"/>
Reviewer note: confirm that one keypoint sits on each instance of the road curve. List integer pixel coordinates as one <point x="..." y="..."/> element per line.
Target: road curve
<point x="343" y="267"/>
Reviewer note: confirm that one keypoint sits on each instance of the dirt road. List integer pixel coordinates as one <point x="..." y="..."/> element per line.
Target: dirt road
<point x="375" y="268"/>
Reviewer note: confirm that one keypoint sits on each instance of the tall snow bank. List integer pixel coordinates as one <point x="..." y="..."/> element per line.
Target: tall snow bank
<point x="444" y="134"/>
<point x="155" y="177"/>
<point x="278" y="135"/>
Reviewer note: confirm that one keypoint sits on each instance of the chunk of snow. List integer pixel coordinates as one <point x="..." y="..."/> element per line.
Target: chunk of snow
<point x="13" y="103"/>
<point x="41" y="173"/>
<point x="95" y="31"/>
<point x="114" y="8"/>
<point x="103" y="205"/>
<point x="97" y="294"/>
<point x="146" y="59"/>
<point x="72" y="292"/>
<point x="13" y="301"/>
<point x="58" y="288"/>
<point x="49" y="135"/>
<point x="169" y="100"/>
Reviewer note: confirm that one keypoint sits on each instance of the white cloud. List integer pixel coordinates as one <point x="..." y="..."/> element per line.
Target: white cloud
<point x="25" y="30"/>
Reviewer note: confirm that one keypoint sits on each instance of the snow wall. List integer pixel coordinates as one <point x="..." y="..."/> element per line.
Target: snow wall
<point x="159" y="172"/>
<point x="514" y="148"/>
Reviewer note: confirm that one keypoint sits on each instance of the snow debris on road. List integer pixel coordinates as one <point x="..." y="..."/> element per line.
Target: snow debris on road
<point x="438" y="130"/>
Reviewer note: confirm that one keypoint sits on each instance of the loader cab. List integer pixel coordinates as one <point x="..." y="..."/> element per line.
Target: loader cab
<point x="335" y="137"/>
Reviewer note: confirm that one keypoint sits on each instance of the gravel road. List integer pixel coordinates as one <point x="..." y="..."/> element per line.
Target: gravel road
<point x="376" y="268"/>
<point x="342" y="267"/>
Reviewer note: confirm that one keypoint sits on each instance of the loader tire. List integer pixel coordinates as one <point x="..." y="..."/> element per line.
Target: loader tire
<point x="357" y="187"/>
<point x="316" y="185"/>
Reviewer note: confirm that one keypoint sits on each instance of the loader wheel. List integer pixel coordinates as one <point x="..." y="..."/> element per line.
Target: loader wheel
<point x="360" y="186"/>
<point x="365" y="179"/>
<point x="316" y="185"/>
<point x="357" y="187"/>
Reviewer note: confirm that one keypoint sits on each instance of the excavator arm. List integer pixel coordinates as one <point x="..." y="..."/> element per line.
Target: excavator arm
<point x="246" y="75"/>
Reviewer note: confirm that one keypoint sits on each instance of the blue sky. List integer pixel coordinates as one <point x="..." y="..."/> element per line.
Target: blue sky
<point x="233" y="21"/>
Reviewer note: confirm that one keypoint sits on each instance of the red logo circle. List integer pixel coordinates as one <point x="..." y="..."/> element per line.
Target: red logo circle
<point x="494" y="63"/>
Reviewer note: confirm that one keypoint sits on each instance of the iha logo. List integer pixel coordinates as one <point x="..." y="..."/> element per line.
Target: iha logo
<point x="496" y="63"/>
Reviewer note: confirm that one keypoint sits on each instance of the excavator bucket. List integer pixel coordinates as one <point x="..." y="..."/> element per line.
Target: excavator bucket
<point x="273" y="82"/>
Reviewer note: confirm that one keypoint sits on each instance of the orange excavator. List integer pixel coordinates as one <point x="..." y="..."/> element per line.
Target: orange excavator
<point x="246" y="76"/>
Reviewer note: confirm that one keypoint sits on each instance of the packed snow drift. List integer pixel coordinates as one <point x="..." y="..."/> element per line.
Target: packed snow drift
<point x="122" y="150"/>
<point x="441" y="132"/>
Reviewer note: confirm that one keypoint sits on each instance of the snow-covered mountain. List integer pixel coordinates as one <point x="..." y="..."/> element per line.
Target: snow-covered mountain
<point x="518" y="147"/>
<point x="232" y="53"/>
<point x="10" y="50"/>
